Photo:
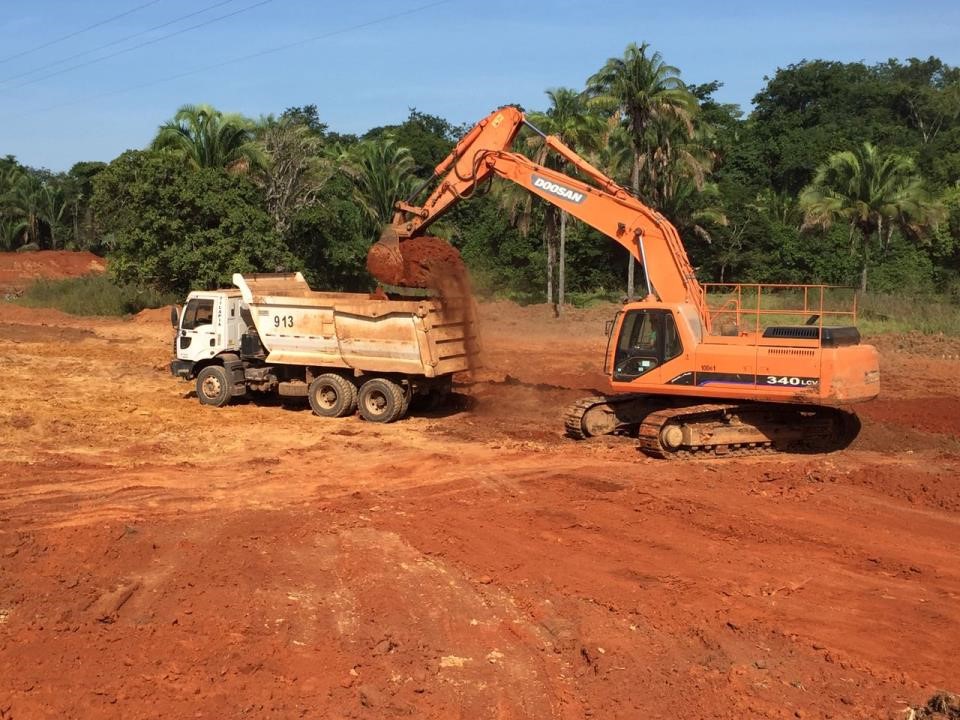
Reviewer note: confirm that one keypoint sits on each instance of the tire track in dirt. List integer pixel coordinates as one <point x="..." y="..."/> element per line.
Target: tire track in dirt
<point x="157" y="557"/>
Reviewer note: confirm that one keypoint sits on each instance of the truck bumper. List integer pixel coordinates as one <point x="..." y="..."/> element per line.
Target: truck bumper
<point x="181" y="368"/>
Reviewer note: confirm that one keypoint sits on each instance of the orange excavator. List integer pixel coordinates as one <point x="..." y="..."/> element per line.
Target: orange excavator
<point x="686" y="378"/>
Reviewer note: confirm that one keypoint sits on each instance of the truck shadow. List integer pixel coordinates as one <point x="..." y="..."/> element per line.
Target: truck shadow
<point x="454" y="404"/>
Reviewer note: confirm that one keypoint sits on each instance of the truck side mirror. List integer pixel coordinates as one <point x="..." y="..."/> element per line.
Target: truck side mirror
<point x="608" y="327"/>
<point x="175" y="316"/>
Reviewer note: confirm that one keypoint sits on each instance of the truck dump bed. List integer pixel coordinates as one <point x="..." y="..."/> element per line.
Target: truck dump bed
<point x="300" y="326"/>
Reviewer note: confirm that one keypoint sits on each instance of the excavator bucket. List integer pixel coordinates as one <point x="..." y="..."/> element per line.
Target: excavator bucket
<point x="420" y="262"/>
<point x="384" y="260"/>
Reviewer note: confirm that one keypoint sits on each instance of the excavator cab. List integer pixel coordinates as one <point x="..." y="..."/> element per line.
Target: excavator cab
<point x="648" y="338"/>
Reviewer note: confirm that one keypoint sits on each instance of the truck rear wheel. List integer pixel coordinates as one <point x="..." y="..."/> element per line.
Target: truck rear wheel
<point x="382" y="401"/>
<point x="331" y="395"/>
<point x="213" y="386"/>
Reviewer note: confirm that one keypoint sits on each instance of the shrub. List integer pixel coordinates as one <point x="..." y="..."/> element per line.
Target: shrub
<point x="93" y="295"/>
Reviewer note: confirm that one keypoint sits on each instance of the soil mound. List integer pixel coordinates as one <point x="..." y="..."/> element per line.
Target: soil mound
<point x="153" y="315"/>
<point x="19" y="269"/>
<point x="423" y="262"/>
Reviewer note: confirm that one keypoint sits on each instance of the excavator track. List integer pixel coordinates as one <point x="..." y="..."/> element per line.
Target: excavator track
<point x="715" y="429"/>
<point x="651" y="439"/>
<point x="598" y="415"/>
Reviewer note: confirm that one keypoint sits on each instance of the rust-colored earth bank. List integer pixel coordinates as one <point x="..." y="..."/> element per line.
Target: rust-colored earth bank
<point x="159" y="558"/>
<point x="17" y="270"/>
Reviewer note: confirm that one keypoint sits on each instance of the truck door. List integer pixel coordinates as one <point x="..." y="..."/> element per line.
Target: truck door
<point x="235" y="324"/>
<point x="197" y="333"/>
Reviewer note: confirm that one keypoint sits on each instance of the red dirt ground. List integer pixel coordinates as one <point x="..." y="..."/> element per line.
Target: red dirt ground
<point x="160" y="558"/>
<point x="17" y="270"/>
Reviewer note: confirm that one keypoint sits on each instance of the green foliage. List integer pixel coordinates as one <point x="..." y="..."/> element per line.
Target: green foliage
<point x="503" y="261"/>
<point x="428" y="138"/>
<point x="647" y="98"/>
<point x="308" y="117"/>
<point x="638" y="89"/>
<point x="94" y="295"/>
<point x="332" y="237"/>
<point x="382" y="173"/>
<point x="570" y="118"/>
<point x="203" y="137"/>
<point x="872" y="192"/>
<point x="34" y="206"/>
<point x="78" y="189"/>
<point x="173" y="228"/>
<point x="293" y="169"/>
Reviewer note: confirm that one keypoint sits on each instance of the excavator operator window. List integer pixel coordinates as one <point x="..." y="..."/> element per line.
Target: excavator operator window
<point x="648" y="338"/>
<point x="672" y="346"/>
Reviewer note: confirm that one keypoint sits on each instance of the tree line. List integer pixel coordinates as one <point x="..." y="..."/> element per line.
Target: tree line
<point x="843" y="173"/>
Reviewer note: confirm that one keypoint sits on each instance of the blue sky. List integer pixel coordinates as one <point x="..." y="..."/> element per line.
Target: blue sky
<point x="458" y="59"/>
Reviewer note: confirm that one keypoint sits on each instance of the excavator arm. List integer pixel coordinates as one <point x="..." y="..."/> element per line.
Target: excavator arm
<point x="601" y="203"/>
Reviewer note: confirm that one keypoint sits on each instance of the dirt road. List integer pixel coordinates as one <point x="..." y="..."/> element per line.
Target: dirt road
<point x="159" y="558"/>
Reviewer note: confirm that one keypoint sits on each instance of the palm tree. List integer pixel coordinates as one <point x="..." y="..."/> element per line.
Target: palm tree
<point x="52" y="205"/>
<point x="570" y="119"/>
<point x="694" y="208"/>
<point x="675" y="154"/>
<point x="24" y="201"/>
<point x="205" y="137"/>
<point x="677" y="177"/>
<point x="382" y="173"/>
<point x="614" y="155"/>
<point x="780" y="206"/>
<point x="639" y="87"/>
<point x="873" y="193"/>
<point x="11" y="232"/>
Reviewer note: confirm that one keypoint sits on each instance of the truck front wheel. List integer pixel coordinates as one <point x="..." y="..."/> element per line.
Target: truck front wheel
<point x="213" y="387"/>
<point x="382" y="401"/>
<point x="331" y="395"/>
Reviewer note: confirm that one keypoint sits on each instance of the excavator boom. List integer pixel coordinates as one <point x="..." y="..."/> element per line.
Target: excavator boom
<point x="598" y="200"/>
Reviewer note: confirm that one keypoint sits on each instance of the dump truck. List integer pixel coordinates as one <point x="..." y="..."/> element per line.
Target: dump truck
<point x="342" y="351"/>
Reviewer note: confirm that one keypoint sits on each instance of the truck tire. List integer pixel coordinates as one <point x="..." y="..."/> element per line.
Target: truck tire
<point x="213" y="386"/>
<point x="381" y="400"/>
<point x="331" y="395"/>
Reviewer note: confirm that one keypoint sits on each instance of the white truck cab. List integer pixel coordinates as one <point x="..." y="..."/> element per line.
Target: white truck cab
<point x="211" y="323"/>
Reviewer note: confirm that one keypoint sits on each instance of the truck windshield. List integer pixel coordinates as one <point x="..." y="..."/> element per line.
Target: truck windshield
<point x="198" y="312"/>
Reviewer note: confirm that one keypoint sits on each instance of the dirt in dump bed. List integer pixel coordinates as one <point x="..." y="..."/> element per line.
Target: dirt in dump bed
<point x="425" y="262"/>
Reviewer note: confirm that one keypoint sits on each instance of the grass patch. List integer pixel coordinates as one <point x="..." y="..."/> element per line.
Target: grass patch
<point x="927" y="314"/>
<point x="93" y="295"/>
<point x="596" y="297"/>
<point x="877" y="313"/>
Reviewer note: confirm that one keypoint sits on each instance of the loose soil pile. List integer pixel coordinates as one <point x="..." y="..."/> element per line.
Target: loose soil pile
<point x="18" y="270"/>
<point x="161" y="558"/>
<point x="423" y="262"/>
